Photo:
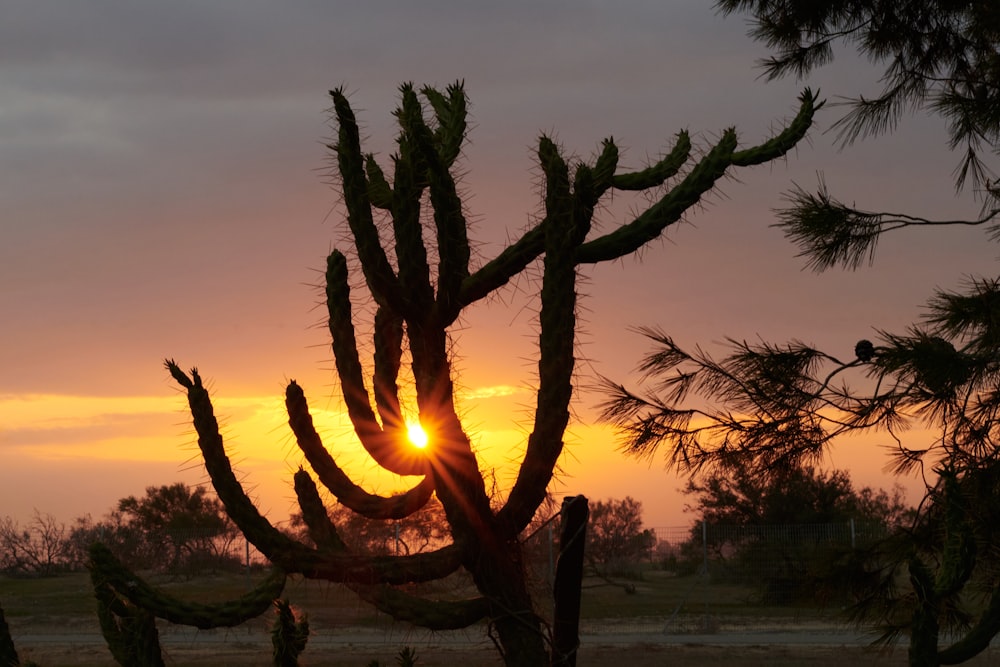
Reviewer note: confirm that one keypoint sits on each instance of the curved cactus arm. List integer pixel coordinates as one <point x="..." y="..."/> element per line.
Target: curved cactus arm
<point x="129" y="631"/>
<point x="238" y="505"/>
<point x="424" y="612"/>
<point x="557" y="322"/>
<point x="378" y="272"/>
<point x="330" y="474"/>
<point x="650" y="224"/>
<point x="699" y="180"/>
<point x="383" y="445"/>
<point x="657" y="174"/>
<point x="785" y="140"/>
<point x="8" y="652"/>
<point x="978" y="638"/>
<point x="106" y="568"/>
<point x="497" y="272"/>
<point x="277" y="547"/>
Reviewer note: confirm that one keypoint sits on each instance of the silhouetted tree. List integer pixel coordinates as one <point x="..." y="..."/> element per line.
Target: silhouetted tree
<point x="770" y="408"/>
<point x="741" y="495"/>
<point x="38" y="548"/>
<point x="181" y="525"/>
<point x="940" y="56"/>
<point x="794" y="533"/>
<point x="391" y="228"/>
<point x="616" y="536"/>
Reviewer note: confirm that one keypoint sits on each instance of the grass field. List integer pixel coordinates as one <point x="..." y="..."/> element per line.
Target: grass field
<point x="655" y="619"/>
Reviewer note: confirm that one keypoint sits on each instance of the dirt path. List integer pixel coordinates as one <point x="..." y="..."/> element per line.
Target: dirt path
<point x="357" y="647"/>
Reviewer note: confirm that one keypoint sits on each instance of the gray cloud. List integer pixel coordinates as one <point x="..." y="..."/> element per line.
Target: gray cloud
<point x="162" y="173"/>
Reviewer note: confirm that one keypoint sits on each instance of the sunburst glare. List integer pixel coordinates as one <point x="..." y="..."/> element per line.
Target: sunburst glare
<point x="417" y="435"/>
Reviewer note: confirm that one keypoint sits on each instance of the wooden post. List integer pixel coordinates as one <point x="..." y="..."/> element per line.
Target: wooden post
<point x="569" y="581"/>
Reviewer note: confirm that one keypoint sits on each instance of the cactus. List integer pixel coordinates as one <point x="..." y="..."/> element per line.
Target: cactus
<point x="288" y="636"/>
<point x="8" y="652"/>
<point x="129" y="630"/>
<point x="107" y="571"/>
<point x="416" y="307"/>
<point x="127" y="608"/>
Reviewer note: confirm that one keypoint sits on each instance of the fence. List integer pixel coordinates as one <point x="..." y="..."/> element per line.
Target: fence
<point x="700" y="579"/>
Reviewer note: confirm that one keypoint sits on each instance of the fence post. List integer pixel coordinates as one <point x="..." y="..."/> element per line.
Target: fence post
<point x="704" y="545"/>
<point x="246" y="546"/>
<point x="704" y="569"/>
<point x="552" y="556"/>
<point x="569" y="580"/>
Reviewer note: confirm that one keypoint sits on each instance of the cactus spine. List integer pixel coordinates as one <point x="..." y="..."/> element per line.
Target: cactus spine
<point x="416" y="306"/>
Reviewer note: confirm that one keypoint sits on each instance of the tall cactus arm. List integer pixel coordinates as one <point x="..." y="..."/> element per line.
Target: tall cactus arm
<point x="557" y="321"/>
<point x="346" y="491"/>
<point x="656" y="175"/>
<point x="350" y="162"/>
<point x="424" y="612"/>
<point x="379" y="191"/>
<point x="557" y="193"/>
<point x="388" y="343"/>
<point x="584" y="199"/>
<point x="650" y="224"/>
<point x="277" y="547"/>
<point x="451" y="111"/>
<point x="604" y="168"/>
<point x="321" y="530"/>
<point x="515" y="257"/>
<point x="785" y="140"/>
<point x="383" y="445"/>
<point x="204" y="616"/>
<point x="449" y="220"/>
<point x="410" y="181"/>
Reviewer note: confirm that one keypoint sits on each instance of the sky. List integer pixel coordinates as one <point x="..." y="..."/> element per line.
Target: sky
<point x="166" y="192"/>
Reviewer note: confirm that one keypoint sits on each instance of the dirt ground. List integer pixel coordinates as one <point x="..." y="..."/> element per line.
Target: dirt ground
<point x="241" y="651"/>
<point x="636" y="655"/>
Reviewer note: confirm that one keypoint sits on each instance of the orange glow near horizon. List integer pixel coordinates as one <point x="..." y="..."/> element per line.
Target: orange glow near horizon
<point x="417" y="435"/>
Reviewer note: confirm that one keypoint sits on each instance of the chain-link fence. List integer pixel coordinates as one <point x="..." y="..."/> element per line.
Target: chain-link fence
<point x="683" y="580"/>
<point x="715" y="578"/>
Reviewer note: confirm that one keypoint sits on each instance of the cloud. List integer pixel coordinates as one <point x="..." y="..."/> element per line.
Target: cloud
<point x="497" y="391"/>
<point x="130" y="427"/>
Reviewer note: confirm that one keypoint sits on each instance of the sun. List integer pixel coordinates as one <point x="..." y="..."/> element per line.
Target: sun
<point x="417" y="435"/>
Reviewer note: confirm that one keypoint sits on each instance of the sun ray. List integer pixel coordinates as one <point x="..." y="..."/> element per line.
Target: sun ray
<point x="417" y="435"/>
